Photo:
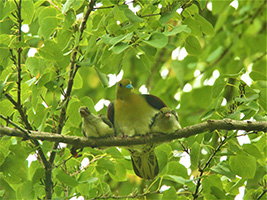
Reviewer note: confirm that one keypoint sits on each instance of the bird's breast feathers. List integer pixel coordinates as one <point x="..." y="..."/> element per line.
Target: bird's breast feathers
<point x="133" y="116"/>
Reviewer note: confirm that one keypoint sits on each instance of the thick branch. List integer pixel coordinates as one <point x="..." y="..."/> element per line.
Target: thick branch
<point x="210" y="125"/>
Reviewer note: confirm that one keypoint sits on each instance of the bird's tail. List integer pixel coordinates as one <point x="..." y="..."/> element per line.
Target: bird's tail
<point x="145" y="163"/>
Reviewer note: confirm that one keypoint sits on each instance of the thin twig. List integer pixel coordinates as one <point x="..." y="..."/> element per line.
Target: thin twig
<point x="51" y="2"/>
<point x="17" y="104"/>
<point x="92" y="161"/>
<point x="250" y="17"/>
<point x="184" y="148"/>
<point x="262" y="194"/>
<point x="72" y="72"/>
<point x="19" y="21"/>
<point x="201" y="170"/>
<point x="104" y="7"/>
<point x="62" y="117"/>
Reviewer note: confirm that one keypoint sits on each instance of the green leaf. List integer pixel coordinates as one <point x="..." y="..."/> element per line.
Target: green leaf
<point x="194" y="26"/>
<point x="115" y="153"/>
<point x="253" y="150"/>
<point x="149" y="50"/>
<point x="69" y="20"/>
<point x="67" y="179"/>
<point x="27" y="190"/>
<point x="38" y="175"/>
<point x="166" y="16"/>
<point x="178" y="29"/>
<point x="255" y="75"/>
<point x="48" y="26"/>
<point x="72" y="112"/>
<point x="191" y="11"/>
<point x="243" y="165"/>
<point x="212" y="184"/>
<point x="102" y="77"/>
<point x="170" y="194"/>
<point x="78" y="81"/>
<point x="223" y="168"/>
<point x="157" y="40"/>
<point x="120" y="173"/>
<point x="14" y="169"/>
<point x="192" y="45"/>
<point x="162" y="161"/>
<point x="194" y="156"/>
<point x="47" y="12"/>
<point x="27" y="11"/>
<point x="132" y="17"/>
<point x="258" y="71"/>
<point x="234" y="186"/>
<point x="115" y="40"/>
<point x="251" y="98"/>
<point x="206" y="26"/>
<point x="51" y="51"/>
<point x="67" y="5"/>
<point x="120" y="47"/>
<point x="215" y="54"/>
<point x="35" y="65"/>
<point x="6" y="8"/>
<point x="263" y="98"/>
<point x="218" y="87"/>
<point x="90" y="180"/>
<point x="105" y="163"/>
<point x="177" y="179"/>
<point x="177" y="169"/>
<point x="219" y="6"/>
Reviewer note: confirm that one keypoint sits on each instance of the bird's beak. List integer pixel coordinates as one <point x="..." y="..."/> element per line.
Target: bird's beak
<point x="129" y="86"/>
<point x="167" y="115"/>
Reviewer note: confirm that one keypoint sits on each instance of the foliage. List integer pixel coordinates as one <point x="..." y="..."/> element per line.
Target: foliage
<point x="224" y="45"/>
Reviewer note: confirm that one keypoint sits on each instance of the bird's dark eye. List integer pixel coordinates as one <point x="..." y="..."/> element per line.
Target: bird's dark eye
<point x="120" y="84"/>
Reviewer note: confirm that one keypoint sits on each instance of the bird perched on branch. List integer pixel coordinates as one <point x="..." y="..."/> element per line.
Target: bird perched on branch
<point x="165" y="121"/>
<point x="95" y="126"/>
<point x="131" y="115"/>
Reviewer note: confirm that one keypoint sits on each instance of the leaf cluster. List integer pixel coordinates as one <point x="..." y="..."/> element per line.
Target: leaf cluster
<point x="221" y="75"/>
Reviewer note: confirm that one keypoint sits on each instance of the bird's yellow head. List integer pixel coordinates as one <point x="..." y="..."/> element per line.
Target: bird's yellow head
<point x="124" y="88"/>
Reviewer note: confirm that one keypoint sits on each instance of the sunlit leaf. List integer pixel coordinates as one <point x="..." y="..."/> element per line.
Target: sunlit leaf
<point x="157" y="40"/>
<point x="243" y="165"/>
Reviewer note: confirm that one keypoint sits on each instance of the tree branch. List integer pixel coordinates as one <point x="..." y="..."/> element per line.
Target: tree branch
<point x="62" y="117"/>
<point x="17" y="104"/>
<point x="73" y="69"/>
<point x="201" y="170"/>
<point x="19" y="20"/>
<point x="262" y="194"/>
<point x="79" y="142"/>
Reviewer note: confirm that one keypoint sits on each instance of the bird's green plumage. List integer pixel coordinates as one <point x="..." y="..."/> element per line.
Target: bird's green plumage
<point x="165" y="121"/>
<point x="95" y="126"/>
<point x="131" y="115"/>
<point x="145" y="163"/>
